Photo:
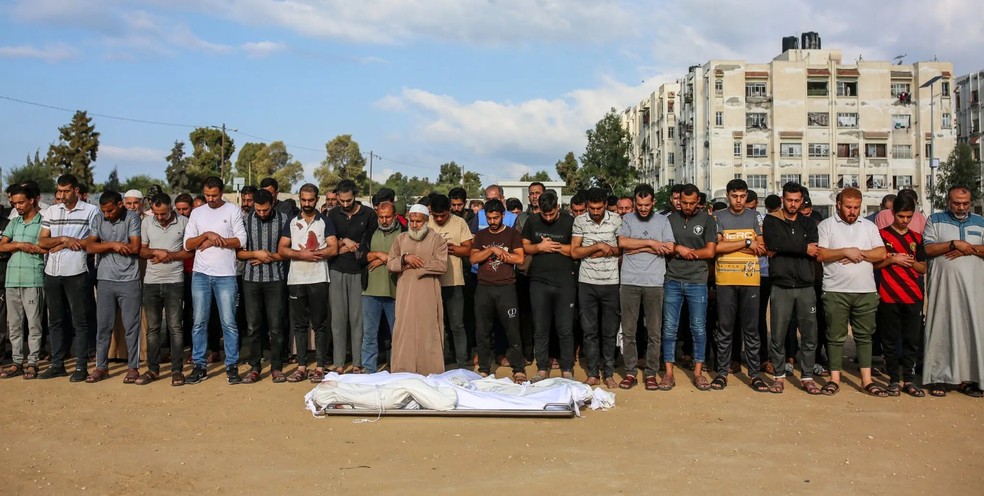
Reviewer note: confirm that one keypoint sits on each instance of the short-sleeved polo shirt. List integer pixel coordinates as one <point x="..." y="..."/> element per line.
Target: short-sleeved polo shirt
<point x="168" y="238"/>
<point x="112" y="266"/>
<point x="24" y="270"/>
<point x="601" y="270"/>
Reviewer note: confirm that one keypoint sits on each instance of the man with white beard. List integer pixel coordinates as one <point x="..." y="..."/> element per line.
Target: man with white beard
<point x="420" y="257"/>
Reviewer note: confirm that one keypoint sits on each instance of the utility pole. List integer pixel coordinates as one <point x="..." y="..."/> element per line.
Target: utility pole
<point x="932" y="142"/>
<point x="370" y="174"/>
<point x="222" y="155"/>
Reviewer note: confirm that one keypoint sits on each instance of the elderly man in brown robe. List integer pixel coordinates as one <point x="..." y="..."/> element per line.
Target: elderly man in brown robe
<point x="420" y="257"/>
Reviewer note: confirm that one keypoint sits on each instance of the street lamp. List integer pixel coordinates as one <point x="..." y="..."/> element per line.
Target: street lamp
<point x="932" y="142"/>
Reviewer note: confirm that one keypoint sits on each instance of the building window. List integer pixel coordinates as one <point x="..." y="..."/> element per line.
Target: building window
<point x="669" y="158"/>
<point x="818" y="119"/>
<point x="737" y="148"/>
<point x="901" y="151"/>
<point x="847" y="88"/>
<point x="670" y="182"/>
<point x="670" y="131"/>
<point x="899" y="182"/>
<point x="877" y="181"/>
<point x="901" y="121"/>
<point x="817" y="88"/>
<point x="820" y="181"/>
<point x="848" y="181"/>
<point x="758" y="181"/>
<point x="719" y="118"/>
<point x="719" y="86"/>
<point x="669" y="107"/>
<point x="790" y="178"/>
<point x="929" y="150"/>
<point x="947" y="122"/>
<point x="945" y="88"/>
<point x="900" y="88"/>
<point x="755" y="90"/>
<point x="819" y="150"/>
<point x="847" y="119"/>
<point x="756" y="121"/>
<point x="874" y="150"/>
<point x="756" y="150"/>
<point x="847" y="150"/>
<point x="791" y="149"/>
<point x="738" y="176"/>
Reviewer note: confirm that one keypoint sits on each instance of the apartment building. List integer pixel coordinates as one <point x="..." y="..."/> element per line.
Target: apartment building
<point x="653" y="127"/>
<point x="806" y="116"/>
<point x="969" y="110"/>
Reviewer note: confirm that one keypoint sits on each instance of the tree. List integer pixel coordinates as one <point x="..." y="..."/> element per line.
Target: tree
<point x="541" y="176"/>
<point x="140" y="182"/>
<point x="113" y="182"/>
<point x="960" y="169"/>
<point x="244" y="163"/>
<point x="473" y="185"/>
<point x="570" y="173"/>
<point x="36" y="170"/>
<point x="211" y="150"/>
<point x="76" y="150"/>
<point x="177" y="169"/>
<point x="606" y="157"/>
<point x="450" y="174"/>
<point x="344" y="160"/>
<point x="273" y="161"/>
<point x="662" y="199"/>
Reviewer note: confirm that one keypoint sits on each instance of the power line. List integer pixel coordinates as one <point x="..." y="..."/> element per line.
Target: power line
<point x="105" y="116"/>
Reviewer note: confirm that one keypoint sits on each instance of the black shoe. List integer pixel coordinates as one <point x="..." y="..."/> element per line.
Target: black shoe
<point x="198" y="374"/>
<point x="79" y="375"/>
<point x="53" y="372"/>
<point x="232" y="373"/>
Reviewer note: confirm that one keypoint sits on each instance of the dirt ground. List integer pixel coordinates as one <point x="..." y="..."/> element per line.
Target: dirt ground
<point x="111" y="438"/>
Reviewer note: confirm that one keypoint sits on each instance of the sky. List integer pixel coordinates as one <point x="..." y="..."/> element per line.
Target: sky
<point x="502" y="87"/>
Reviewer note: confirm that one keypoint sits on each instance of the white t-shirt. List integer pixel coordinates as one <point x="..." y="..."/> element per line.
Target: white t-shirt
<point x="849" y="278"/>
<point x="305" y="236"/>
<point x="226" y="221"/>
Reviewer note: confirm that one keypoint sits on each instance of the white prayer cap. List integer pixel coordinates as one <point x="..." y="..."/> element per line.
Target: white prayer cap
<point x="133" y="193"/>
<point x="419" y="209"/>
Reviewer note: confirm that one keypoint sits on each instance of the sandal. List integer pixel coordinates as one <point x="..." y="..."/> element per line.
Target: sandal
<point x="777" y="386"/>
<point x="30" y="372"/>
<point x="97" y="375"/>
<point x="177" y="379"/>
<point x="316" y="376"/>
<point x="628" y="383"/>
<point x="13" y="370"/>
<point x="278" y="377"/>
<point x="610" y="383"/>
<point x="357" y="370"/>
<point x="146" y="378"/>
<point x="131" y="376"/>
<point x="894" y="389"/>
<point x="758" y="385"/>
<point x="970" y="389"/>
<point x="298" y="376"/>
<point x="539" y="376"/>
<point x="913" y="390"/>
<point x="830" y="389"/>
<point x="937" y="389"/>
<point x="652" y="383"/>
<point x="251" y="377"/>
<point x="768" y="368"/>
<point x="720" y="382"/>
<point x="810" y="386"/>
<point x="876" y="390"/>
<point x="700" y="382"/>
<point x="520" y="378"/>
<point x="667" y="383"/>
<point x="592" y="381"/>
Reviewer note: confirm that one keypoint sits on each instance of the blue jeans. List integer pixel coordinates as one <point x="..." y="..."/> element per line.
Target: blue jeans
<point x="224" y="288"/>
<point x="373" y="307"/>
<point x="675" y="293"/>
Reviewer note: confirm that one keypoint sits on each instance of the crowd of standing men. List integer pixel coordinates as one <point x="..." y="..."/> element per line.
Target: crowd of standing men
<point x="499" y="285"/>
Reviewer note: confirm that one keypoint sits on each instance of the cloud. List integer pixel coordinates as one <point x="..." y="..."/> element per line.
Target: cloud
<point x="258" y="49"/>
<point x="124" y="156"/>
<point x="51" y="53"/>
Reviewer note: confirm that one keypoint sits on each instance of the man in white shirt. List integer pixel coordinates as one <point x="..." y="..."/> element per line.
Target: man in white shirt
<point x="214" y="232"/>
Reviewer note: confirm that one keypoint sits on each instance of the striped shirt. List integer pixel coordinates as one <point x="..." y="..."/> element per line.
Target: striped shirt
<point x="24" y="270"/>
<point x="75" y="223"/>
<point x="601" y="270"/>
<point x="898" y="284"/>
<point x="264" y="235"/>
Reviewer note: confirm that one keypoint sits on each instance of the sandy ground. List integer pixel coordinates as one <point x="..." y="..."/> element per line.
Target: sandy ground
<point x="111" y="438"/>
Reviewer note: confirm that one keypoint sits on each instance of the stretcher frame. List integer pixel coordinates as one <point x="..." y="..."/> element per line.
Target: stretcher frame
<point x="551" y="410"/>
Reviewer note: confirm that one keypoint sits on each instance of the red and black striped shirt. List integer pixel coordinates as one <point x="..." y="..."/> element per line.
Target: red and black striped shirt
<point x="899" y="284"/>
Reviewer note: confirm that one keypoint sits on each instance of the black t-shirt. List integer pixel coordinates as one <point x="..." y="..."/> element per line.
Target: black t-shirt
<point x="358" y="228"/>
<point x="495" y="272"/>
<point x="553" y="269"/>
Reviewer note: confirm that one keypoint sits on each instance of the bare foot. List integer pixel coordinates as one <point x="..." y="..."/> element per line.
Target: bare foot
<point x="592" y="381"/>
<point x="567" y="375"/>
<point x="610" y="383"/>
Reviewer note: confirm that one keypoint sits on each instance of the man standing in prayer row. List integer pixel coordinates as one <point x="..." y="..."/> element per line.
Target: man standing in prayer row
<point x="420" y="257"/>
<point x="455" y="232"/>
<point x="379" y="295"/>
<point x="955" y="320"/>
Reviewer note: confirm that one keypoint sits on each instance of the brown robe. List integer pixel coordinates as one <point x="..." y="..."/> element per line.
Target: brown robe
<point x="418" y="333"/>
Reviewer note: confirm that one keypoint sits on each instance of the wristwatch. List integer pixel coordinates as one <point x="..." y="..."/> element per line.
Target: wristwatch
<point x="953" y="246"/>
<point x="748" y="243"/>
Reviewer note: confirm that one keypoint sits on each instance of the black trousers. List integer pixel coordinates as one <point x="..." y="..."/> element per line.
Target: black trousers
<point x="738" y="310"/>
<point x="309" y="307"/>
<point x="553" y="310"/>
<point x="492" y="302"/>
<point x="61" y="292"/>
<point x="900" y="327"/>
<point x="600" y="333"/>
<point x="526" y="326"/>
<point x="264" y="307"/>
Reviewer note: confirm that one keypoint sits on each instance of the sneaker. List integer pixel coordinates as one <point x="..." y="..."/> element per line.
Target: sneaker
<point x="232" y="373"/>
<point x="788" y="368"/>
<point x="53" y="372"/>
<point x="198" y="374"/>
<point x="79" y="375"/>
